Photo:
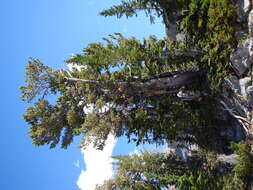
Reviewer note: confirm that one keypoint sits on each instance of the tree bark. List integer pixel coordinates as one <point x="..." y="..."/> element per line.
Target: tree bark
<point x="171" y="83"/>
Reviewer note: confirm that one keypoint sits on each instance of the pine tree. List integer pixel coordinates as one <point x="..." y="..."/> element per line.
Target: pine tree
<point x="139" y="93"/>
<point x="156" y="170"/>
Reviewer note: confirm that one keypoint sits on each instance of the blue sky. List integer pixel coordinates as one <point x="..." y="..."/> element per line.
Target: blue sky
<point x="50" y="30"/>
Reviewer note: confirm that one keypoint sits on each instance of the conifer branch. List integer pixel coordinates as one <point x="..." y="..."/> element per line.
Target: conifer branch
<point x="240" y="119"/>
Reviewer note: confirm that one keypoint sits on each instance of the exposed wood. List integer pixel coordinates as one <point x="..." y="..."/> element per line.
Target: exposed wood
<point x="164" y="84"/>
<point x="230" y="159"/>
<point x="243" y="121"/>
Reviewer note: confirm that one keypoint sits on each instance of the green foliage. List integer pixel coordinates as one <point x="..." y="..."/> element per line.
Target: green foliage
<point x="38" y="77"/>
<point x="152" y="8"/>
<point x="243" y="170"/>
<point x="232" y="182"/>
<point x="241" y="175"/>
<point x="160" y="170"/>
<point x="211" y="26"/>
<point x="49" y="122"/>
<point x="128" y="8"/>
<point x="244" y="167"/>
<point x="140" y="171"/>
<point x="115" y="73"/>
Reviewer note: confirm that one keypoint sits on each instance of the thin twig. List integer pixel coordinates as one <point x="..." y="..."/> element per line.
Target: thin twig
<point x="239" y="118"/>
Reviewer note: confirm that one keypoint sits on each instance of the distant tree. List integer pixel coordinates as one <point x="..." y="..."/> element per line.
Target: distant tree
<point x="163" y="170"/>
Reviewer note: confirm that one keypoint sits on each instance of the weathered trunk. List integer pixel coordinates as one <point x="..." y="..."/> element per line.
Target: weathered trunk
<point x="168" y="83"/>
<point x="173" y="82"/>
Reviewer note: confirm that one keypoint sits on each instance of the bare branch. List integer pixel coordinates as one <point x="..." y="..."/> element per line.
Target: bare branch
<point x="169" y="83"/>
<point x="82" y="80"/>
<point x="188" y="97"/>
<point x="231" y="159"/>
<point x="240" y="119"/>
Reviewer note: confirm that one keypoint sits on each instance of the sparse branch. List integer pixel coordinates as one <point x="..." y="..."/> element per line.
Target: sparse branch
<point x="240" y="119"/>
<point x="82" y="80"/>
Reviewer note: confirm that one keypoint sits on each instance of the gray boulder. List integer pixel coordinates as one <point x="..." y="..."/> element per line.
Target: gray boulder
<point x="243" y="8"/>
<point x="241" y="58"/>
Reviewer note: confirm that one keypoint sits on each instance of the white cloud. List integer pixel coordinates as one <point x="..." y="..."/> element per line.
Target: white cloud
<point x="89" y="108"/>
<point x="72" y="66"/>
<point x="98" y="165"/>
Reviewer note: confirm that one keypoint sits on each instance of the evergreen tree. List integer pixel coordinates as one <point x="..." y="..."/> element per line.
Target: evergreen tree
<point x="131" y="79"/>
<point x="156" y="170"/>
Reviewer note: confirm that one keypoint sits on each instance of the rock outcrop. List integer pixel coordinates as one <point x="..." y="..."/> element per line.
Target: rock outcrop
<point x="239" y="103"/>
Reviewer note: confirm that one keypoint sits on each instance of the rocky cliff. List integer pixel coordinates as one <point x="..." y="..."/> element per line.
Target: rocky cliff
<point x="238" y="97"/>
